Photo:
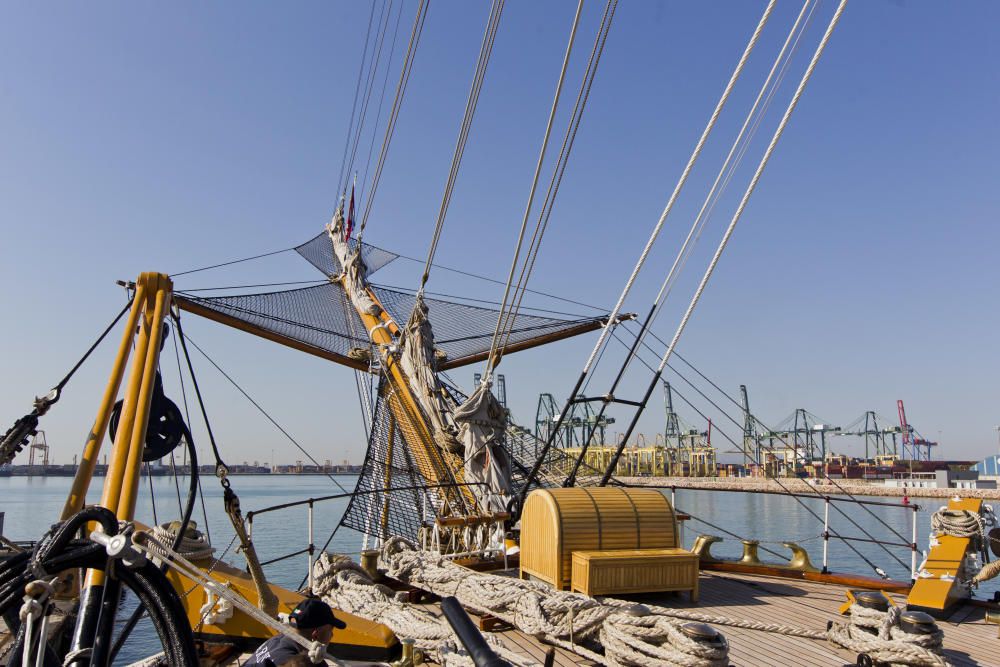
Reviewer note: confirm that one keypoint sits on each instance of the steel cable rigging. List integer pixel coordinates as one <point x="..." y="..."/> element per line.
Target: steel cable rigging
<point x="555" y="181"/>
<point x="616" y="310"/>
<point x="479" y="74"/>
<point x="735" y="219"/>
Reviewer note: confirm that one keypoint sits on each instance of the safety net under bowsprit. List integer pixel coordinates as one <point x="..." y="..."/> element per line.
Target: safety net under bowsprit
<point x="320" y="320"/>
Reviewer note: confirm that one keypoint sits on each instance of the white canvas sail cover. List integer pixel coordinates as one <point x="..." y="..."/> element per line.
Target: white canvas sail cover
<point x="482" y="423"/>
<point x="419" y="364"/>
<point x="353" y="265"/>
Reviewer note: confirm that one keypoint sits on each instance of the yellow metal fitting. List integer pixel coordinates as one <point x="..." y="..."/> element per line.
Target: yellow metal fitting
<point x="800" y="558"/>
<point x="750" y="555"/>
<point x="702" y="547"/>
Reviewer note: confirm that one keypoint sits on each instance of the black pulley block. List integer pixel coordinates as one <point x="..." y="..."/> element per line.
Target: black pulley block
<point x="166" y="424"/>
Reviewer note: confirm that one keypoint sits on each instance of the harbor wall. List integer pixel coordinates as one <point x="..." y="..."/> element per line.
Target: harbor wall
<point x="796" y="485"/>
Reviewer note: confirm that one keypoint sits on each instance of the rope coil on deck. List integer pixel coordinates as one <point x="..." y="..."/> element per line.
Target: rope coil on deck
<point x="344" y="585"/>
<point x="657" y="640"/>
<point x="605" y="633"/>
<point x="879" y="634"/>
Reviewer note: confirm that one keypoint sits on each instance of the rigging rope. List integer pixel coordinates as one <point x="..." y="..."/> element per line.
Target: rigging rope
<point x="534" y="185"/>
<point x="256" y="405"/>
<point x="477" y="276"/>
<point x="616" y="310"/>
<point x="369" y="86"/>
<point x="479" y="74"/>
<point x="235" y="261"/>
<point x="17" y="435"/>
<point x="341" y="182"/>
<point x="732" y="224"/>
<point x="404" y="78"/>
<point x="381" y="101"/>
<point x="560" y="168"/>
<point x="844" y="539"/>
<point x="771" y="449"/>
<point x="726" y="171"/>
<point x="684" y="176"/>
<point x="753" y="181"/>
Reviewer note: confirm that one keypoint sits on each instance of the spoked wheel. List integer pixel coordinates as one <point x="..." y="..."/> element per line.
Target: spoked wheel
<point x="57" y="553"/>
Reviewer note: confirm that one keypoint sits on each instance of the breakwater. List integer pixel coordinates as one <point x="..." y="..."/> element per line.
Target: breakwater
<point x="797" y="485"/>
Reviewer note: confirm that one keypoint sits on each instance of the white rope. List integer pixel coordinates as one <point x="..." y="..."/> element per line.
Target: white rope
<point x="343" y="584"/>
<point x="534" y="185"/>
<point x="722" y="179"/>
<point x="369" y="88"/>
<point x="485" y="51"/>
<point x="354" y="106"/>
<point x="149" y="545"/>
<point x="713" y="619"/>
<point x="555" y="181"/>
<point x="404" y="78"/>
<point x="753" y="183"/>
<point x="958" y="523"/>
<point x="605" y="633"/>
<point x="192" y="548"/>
<point x="680" y="185"/>
<point x="878" y="634"/>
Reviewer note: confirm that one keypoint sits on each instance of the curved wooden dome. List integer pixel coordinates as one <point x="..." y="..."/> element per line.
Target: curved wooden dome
<point x="557" y="522"/>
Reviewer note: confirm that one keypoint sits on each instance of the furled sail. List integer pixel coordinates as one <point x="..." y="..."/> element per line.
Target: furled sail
<point x="433" y="453"/>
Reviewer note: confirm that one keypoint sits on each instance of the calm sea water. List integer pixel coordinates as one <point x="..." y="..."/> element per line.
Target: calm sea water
<point x="31" y="504"/>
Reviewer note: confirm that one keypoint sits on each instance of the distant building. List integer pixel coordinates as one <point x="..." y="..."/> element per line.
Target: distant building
<point x="989" y="467"/>
<point x="941" y="479"/>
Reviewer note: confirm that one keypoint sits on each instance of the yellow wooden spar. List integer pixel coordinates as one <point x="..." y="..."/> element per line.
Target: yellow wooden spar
<point x="150" y="306"/>
<point x="440" y="468"/>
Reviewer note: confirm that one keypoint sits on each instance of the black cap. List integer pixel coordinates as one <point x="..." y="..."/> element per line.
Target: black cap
<point x="312" y="613"/>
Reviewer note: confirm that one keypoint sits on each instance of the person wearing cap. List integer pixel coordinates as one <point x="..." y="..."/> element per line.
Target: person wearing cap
<point x="312" y="619"/>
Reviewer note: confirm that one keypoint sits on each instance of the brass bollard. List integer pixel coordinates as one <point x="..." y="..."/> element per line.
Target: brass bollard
<point x="369" y="563"/>
<point x="993" y="616"/>
<point x="750" y="556"/>
<point x="410" y="655"/>
<point x="702" y="548"/>
<point x="800" y="558"/>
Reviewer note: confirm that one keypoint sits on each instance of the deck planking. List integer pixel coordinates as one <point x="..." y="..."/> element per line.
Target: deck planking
<point x="804" y="604"/>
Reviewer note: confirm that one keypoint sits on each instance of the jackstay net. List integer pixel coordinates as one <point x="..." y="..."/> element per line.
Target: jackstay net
<point x="322" y="321"/>
<point x="318" y="251"/>
<point x="402" y="489"/>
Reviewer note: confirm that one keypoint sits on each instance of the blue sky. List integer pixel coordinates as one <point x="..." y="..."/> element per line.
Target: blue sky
<point x="166" y="137"/>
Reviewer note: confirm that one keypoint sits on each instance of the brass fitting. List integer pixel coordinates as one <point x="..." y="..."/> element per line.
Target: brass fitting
<point x="369" y="563"/>
<point x="800" y="558"/>
<point x="993" y="616"/>
<point x="750" y="555"/>
<point x="702" y="548"/>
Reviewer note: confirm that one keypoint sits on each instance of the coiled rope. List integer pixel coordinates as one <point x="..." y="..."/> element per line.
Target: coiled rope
<point x="609" y="634"/>
<point x="343" y="584"/>
<point x="878" y="634"/>
<point x="958" y="523"/>
<point x="193" y="545"/>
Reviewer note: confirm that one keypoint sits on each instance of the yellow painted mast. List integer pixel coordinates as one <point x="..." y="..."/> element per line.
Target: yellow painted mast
<point x="441" y="469"/>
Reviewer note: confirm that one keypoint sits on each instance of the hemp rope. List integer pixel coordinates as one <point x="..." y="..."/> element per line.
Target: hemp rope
<point x="576" y="622"/>
<point x="344" y="585"/>
<point x="878" y="634"/>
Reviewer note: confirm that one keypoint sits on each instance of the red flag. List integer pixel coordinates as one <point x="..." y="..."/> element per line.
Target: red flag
<point x="350" y="217"/>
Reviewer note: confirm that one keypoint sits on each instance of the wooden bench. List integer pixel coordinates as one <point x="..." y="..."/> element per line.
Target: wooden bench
<point x="625" y="571"/>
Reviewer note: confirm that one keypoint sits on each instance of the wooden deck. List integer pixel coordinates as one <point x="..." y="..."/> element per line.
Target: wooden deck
<point x="968" y="639"/>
